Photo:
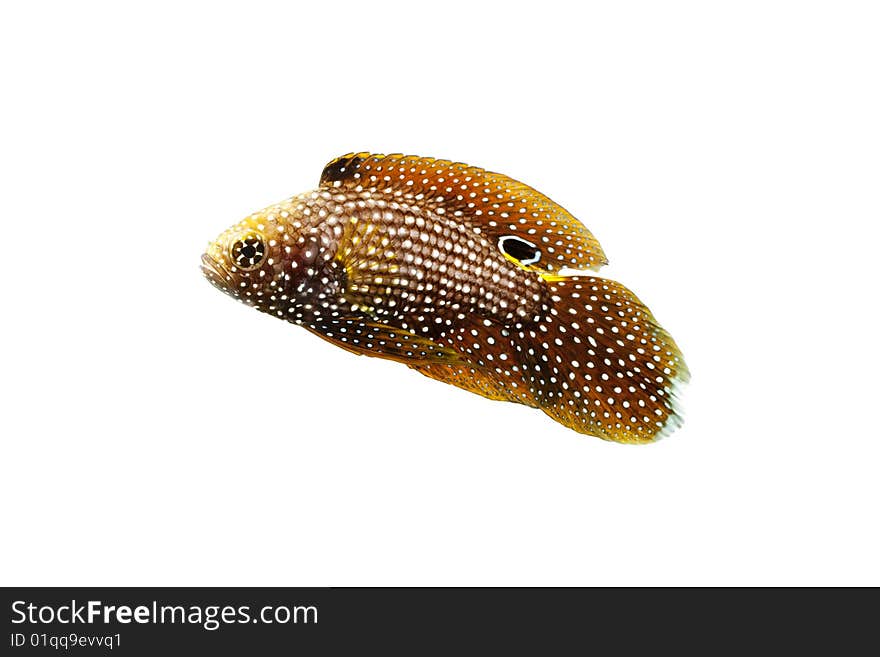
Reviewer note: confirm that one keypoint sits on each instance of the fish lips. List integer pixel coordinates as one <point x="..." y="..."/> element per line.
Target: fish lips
<point x="215" y="272"/>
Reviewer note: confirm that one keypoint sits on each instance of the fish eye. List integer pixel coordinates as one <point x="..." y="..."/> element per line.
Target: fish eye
<point x="519" y="249"/>
<point x="248" y="251"/>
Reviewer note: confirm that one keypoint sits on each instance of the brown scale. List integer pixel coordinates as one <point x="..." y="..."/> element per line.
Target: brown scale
<point x="453" y="271"/>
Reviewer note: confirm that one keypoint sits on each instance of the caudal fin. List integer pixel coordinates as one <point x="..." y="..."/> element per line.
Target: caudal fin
<point x="601" y="364"/>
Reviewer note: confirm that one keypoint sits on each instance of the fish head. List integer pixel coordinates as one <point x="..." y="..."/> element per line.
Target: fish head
<point x="246" y="261"/>
<point x="273" y="260"/>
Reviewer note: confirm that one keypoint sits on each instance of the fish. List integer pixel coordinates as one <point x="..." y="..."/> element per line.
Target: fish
<point x="468" y="277"/>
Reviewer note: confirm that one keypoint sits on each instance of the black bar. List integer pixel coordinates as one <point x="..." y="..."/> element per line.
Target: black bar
<point x="313" y="621"/>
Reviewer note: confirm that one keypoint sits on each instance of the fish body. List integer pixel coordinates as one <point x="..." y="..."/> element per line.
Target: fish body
<point x="455" y="272"/>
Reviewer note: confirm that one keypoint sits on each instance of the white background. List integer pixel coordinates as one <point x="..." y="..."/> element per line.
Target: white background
<point x="727" y="156"/>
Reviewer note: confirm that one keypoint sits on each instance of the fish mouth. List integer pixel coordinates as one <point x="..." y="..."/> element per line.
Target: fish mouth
<point x="214" y="271"/>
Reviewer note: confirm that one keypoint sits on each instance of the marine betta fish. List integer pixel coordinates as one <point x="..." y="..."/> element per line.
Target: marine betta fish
<point x="459" y="273"/>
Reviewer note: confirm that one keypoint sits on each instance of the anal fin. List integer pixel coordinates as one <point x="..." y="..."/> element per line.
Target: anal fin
<point x="366" y="337"/>
<point x="473" y="379"/>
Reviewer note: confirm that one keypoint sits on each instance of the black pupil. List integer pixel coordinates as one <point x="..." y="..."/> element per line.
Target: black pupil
<point x="248" y="252"/>
<point x="518" y="249"/>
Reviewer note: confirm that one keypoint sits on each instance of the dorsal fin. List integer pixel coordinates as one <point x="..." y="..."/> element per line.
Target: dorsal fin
<point x="494" y="204"/>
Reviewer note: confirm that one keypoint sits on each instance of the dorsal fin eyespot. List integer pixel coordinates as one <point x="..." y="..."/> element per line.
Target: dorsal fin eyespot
<point x="523" y="251"/>
<point x="341" y="169"/>
<point x="490" y="203"/>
